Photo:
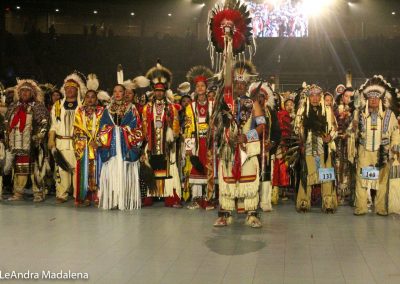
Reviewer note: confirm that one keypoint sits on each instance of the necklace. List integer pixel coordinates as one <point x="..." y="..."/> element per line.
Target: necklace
<point x="118" y="107"/>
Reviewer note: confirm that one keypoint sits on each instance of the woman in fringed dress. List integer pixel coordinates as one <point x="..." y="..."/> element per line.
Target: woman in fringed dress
<point x="119" y="141"/>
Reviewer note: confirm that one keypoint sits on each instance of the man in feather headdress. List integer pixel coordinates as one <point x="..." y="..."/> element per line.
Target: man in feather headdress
<point x="236" y="121"/>
<point x="161" y="128"/>
<point x="195" y="129"/>
<point x="263" y="93"/>
<point x="378" y="143"/>
<point x="238" y="171"/>
<point x="27" y="122"/>
<point x="316" y="127"/>
<point x="61" y="134"/>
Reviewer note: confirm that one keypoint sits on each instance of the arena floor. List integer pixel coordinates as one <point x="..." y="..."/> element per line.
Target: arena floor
<point x="165" y="245"/>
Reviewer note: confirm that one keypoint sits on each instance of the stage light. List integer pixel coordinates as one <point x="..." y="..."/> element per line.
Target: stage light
<point x="393" y="13"/>
<point x="169" y="14"/>
<point x="57" y="10"/>
<point x="95" y="12"/>
<point x="313" y="8"/>
<point x="18" y="7"/>
<point x="132" y="14"/>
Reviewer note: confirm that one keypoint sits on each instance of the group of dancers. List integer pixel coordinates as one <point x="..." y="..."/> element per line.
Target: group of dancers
<point x="225" y="139"/>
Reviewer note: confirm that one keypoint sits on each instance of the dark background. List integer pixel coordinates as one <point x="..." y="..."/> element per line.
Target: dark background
<point x="38" y="41"/>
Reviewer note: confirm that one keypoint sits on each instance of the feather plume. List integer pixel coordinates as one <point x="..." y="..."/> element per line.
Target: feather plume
<point x="128" y="84"/>
<point x="120" y="74"/>
<point x="61" y="161"/>
<point x="196" y="163"/>
<point x="147" y="175"/>
<point x="103" y="96"/>
<point x="169" y="135"/>
<point x="92" y="82"/>
<point x="9" y="161"/>
<point x="184" y="88"/>
<point x="141" y="82"/>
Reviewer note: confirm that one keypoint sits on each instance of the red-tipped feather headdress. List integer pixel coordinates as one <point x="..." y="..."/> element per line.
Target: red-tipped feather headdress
<point x="232" y="15"/>
<point x="199" y="74"/>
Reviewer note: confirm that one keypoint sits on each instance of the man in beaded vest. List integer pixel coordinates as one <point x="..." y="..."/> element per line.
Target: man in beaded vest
<point x="315" y="124"/>
<point x="238" y="170"/>
<point x="27" y="123"/>
<point x="61" y="132"/>
<point x="161" y="128"/>
<point x="378" y="144"/>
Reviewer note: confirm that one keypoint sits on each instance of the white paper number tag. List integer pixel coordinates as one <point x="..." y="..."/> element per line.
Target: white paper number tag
<point x="371" y="173"/>
<point x="189" y="144"/>
<point x="326" y="174"/>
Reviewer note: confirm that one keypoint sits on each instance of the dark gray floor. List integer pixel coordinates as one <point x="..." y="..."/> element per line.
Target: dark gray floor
<point x="165" y="245"/>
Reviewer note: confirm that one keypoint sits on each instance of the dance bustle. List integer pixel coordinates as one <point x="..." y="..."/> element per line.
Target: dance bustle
<point x="61" y="161"/>
<point x="147" y="175"/>
<point x="195" y="161"/>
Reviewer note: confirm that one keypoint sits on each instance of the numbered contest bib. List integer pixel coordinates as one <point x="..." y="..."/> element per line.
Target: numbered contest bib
<point x="371" y="173"/>
<point x="326" y="174"/>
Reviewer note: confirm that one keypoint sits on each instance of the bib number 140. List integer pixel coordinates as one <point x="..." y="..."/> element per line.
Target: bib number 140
<point x="371" y="173"/>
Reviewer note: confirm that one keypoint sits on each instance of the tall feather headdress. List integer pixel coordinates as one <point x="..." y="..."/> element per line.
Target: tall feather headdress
<point x="377" y="86"/>
<point x="265" y="88"/>
<point x="78" y="80"/>
<point x="230" y="16"/>
<point x="244" y="71"/>
<point x="160" y="77"/>
<point x="199" y="73"/>
<point x="28" y="84"/>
